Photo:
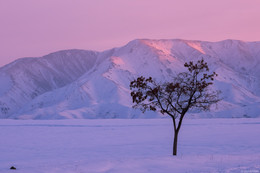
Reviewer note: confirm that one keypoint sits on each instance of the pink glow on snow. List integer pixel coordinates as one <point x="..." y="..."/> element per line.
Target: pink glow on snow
<point x="196" y="45"/>
<point x="117" y="60"/>
<point x="160" y="46"/>
<point x="36" y="28"/>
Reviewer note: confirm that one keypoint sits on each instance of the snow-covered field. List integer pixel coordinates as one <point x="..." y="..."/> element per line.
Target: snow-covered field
<point x="86" y="146"/>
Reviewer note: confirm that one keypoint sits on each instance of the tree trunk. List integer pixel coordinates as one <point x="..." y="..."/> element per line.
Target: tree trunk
<point x="175" y="142"/>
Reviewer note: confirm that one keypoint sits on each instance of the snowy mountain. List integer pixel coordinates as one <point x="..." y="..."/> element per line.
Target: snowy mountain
<point x="89" y="84"/>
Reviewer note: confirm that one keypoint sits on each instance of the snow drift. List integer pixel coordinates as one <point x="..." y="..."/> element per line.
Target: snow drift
<point x="89" y="84"/>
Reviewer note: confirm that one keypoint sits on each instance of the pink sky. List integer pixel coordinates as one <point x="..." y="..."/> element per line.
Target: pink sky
<point x="32" y="28"/>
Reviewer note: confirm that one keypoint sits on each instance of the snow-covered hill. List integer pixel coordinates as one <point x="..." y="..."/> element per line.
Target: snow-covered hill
<point x="88" y="84"/>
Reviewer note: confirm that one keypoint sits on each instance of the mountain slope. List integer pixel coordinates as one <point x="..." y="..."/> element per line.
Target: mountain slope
<point x="86" y="84"/>
<point x="25" y="79"/>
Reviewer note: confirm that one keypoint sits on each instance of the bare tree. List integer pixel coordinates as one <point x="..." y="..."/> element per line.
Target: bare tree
<point x="187" y="91"/>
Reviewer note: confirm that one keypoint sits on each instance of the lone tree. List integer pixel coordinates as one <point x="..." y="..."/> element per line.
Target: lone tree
<point x="187" y="91"/>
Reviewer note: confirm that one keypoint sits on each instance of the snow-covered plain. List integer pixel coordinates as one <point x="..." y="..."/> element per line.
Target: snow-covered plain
<point x="130" y="145"/>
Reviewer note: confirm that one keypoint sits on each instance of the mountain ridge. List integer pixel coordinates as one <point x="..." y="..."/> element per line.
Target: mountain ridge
<point x="70" y="83"/>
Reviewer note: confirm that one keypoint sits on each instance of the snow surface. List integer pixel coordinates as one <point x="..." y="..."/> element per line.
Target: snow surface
<point x="86" y="84"/>
<point x="122" y="146"/>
